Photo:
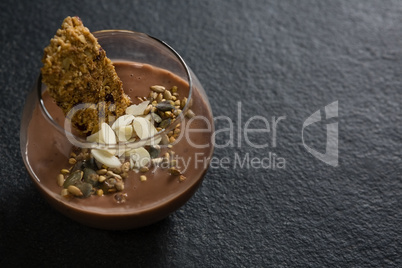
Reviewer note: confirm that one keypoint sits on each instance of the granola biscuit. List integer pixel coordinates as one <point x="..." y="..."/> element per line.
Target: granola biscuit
<point x="77" y="71"/>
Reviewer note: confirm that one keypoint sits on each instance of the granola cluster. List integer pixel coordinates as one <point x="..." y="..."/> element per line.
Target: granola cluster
<point x="77" y="71"/>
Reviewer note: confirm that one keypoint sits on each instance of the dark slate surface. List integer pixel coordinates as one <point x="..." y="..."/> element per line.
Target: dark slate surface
<point x="278" y="58"/>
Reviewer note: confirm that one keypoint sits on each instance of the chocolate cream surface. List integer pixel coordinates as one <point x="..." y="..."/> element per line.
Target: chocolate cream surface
<point x="146" y="202"/>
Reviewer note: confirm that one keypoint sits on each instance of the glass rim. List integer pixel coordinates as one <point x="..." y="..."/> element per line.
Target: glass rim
<point x="133" y="144"/>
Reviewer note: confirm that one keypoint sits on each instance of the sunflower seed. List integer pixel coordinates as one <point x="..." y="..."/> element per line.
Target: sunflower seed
<point x="158" y="89"/>
<point x="167" y="95"/>
<point x="74" y="190"/>
<point x="60" y="179"/>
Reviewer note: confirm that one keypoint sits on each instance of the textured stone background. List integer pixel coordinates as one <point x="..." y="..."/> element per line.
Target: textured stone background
<point x="279" y="58"/>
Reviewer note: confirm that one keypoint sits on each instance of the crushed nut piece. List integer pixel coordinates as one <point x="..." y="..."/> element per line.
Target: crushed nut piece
<point x="76" y="70"/>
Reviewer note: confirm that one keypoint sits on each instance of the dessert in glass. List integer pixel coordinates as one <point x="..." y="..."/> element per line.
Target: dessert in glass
<point x="157" y="173"/>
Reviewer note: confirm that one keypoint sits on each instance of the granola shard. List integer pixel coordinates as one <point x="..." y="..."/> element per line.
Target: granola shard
<point x="77" y="71"/>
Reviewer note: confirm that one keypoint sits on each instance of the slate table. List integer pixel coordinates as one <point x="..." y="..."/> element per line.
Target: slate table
<point x="267" y="65"/>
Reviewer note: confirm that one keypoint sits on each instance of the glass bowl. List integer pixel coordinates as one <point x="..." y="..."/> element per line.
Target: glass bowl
<point x="47" y="140"/>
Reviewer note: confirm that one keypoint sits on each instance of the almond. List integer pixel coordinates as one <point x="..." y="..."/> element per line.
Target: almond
<point x="137" y="109"/>
<point x="106" y="158"/>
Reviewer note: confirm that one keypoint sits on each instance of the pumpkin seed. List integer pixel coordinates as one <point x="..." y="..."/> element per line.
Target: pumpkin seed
<point x="90" y="176"/>
<point x="90" y="163"/>
<point x="156" y="117"/>
<point x="77" y="166"/>
<point x="165" y="106"/>
<point x="85" y="188"/>
<point x="153" y="152"/>
<point x="165" y="123"/>
<point x="73" y="178"/>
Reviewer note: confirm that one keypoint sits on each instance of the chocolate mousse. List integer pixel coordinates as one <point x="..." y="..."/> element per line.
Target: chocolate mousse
<point x="142" y="158"/>
<point x="159" y="194"/>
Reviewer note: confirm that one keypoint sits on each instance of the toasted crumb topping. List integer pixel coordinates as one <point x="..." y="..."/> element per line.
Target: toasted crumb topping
<point x="77" y="71"/>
